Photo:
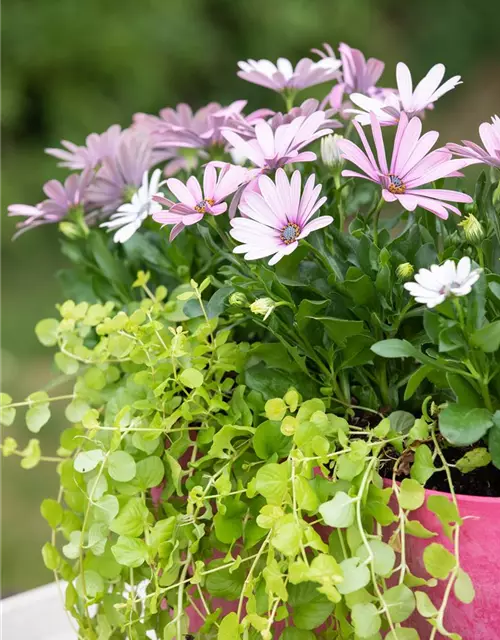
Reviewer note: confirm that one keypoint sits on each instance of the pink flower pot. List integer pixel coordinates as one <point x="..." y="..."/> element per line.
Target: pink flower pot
<point x="479" y="557"/>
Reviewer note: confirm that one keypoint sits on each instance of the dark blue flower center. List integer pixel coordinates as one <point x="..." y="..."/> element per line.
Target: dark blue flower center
<point x="290" y="233"/>
<point x="202" y="206"/>
<point x="396" y="185"/>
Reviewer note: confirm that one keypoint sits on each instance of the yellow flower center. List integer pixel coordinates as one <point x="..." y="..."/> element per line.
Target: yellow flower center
<point x="201" y="207"/>
<point x="396" y="185"/>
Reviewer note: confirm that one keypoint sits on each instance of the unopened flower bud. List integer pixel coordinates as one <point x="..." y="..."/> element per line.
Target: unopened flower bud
<point x="473" y="229"/>
<point x="263" y="307"/>
<point x="69" y="229"/>
<point x="330" y="151"/>
<point x="238" y="299"/>
<point x="405" y="271"/>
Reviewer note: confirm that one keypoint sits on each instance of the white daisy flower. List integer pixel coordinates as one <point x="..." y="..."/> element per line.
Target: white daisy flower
<point x="130" y="216"/>
<point x="432" y="286"/>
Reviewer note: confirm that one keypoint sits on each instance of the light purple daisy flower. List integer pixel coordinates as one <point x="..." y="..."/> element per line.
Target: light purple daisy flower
<point x="97" y="147"/>
<point x="121" y="174"/>
<point x="282" y="76"/>
<point x="194" y="203"/>
<point x="413" y="102"/>
<point x="61" y="199"/>
<point x="277" y="218"/>
<point x="490" y="136"/>
<point x="272" y="149"/>
<point x="413" y="164"/>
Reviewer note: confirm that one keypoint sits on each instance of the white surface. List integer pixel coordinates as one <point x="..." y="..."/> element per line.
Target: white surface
<point x="35" y="615"/>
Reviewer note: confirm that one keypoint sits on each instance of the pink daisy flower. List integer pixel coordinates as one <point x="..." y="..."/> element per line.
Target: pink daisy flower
<point x="358" y="74"/>
<point x="272" y="149"/>
<point x="245" y="126"/>
<point x="97" y="147"/>
<point x="194" y="202"/>
<point x="413" y="164"/>
<point x="282" y="76"/>
<point x="121" y="174"/>
<point x="490" y="136"/>
<point x="61" y="199"/>
<point x="277" y="218"/>
<point x="413" y="102"/>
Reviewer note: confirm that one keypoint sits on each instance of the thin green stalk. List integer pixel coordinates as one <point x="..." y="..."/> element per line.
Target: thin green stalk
<point x="376" y="216"/>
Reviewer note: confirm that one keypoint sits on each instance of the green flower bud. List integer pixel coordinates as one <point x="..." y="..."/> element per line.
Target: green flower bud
<point x="238" y="299"/>
<point x="263" y="307"/>
<point x="405" y="271"/>
<point x="473" y="229"/>
<point x="330" y="151"/>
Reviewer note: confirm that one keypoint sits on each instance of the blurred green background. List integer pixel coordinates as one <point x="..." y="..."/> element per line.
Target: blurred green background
<point x="73" y="67"/>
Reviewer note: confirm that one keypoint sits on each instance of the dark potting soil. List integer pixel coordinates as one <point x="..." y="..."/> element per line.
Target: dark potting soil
<point x="484" y="481"/>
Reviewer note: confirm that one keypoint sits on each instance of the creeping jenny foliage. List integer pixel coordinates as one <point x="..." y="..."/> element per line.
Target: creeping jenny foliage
<point x="185" y="483"/>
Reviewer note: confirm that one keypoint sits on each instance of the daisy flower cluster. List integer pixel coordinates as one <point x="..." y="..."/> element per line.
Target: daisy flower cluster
<point x="260" y="167"/>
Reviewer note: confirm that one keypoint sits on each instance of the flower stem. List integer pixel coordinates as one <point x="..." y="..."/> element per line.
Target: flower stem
<point x="340" y="204"/>
<point x="376" y="216"/>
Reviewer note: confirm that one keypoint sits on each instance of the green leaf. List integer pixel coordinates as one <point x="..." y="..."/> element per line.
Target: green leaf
<point x="224" y="583"/>
<point x="37" y="416"/>
<point x="272" y="482"/>
<point x="87" y="461"/>
<point x="121" y="466"/>
<point x="306" y="497"/>
<point x="494" y="440"/>
<point x="438" y="561"/>
<point x="174" y="470"/>
<point x="338" y="329"/>
<point x="338" y="512"/>
<point x="417" y="529"/>
<point x="31" y="454"/>
<point x="291" y="633"/>
<point x="191" y="378"/>
<point x="229" y="525"/>
<point x="463" y="390"/>
<point x="51" y="557"/>
<point x="401" y="421"/>
<point x="149" y="472"/>
<point x="287" y="537"/>
<point x="52" y="511"/>
<point x="462" y="425"/>
<point x="162" y="532"/>
<point x="488" y="338"/>
<point x="411" y="494"/>
<point x="423" y="465"/>
<point x="106" y="508"/>
<point x="366" y="620"/>
<point x="425" y="606"/>
<point x="274" y="580"/>
<point x="356" y="576"/>
<point x="130" y="552"/>
<point x="383" y="555"/>
<point x="401" y="602"/>
<point x="416" y="380"/>
<point x="66" y="364"/>
<point x="463" y="587"/>
<point x="268" y="440"/>
<point x="395" y="349"/>
<point x="46" y="331"/>
<point x="275" y="409"/>
<point x="7" y="414"/>
<point x="310" y="608"/>
<point x="131" y="519"/>
<point x="229" y="628"/>
<point x="94" y="584"/>
<point x="474" y="459"/>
